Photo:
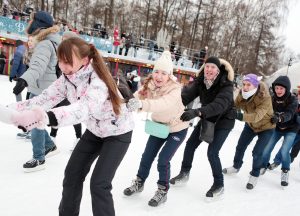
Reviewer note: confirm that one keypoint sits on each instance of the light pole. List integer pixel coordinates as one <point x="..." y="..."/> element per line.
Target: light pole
<point x="289" y="65"/>
<point x="174" y="27"/>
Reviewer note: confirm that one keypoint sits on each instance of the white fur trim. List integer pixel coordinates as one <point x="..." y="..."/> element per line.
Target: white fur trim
<point x="42" y="117"/>
<point x="6" y="114"/>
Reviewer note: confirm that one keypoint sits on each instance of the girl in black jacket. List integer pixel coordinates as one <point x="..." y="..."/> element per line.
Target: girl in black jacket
<point x="285" y="107"/>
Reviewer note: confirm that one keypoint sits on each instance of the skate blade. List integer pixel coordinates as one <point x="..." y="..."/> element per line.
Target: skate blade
<point x="160" y="204"/>
<point x="213" y="199"/>
<point x="38" y="168"/>
<point x="51" y="154"/>
<point x="218" y="197"/>
<point x="249" y="190"/>
<point x="179" y="184"/>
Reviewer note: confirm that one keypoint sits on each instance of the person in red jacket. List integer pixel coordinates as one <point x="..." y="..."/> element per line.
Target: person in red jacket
<point x="116" y="40"/>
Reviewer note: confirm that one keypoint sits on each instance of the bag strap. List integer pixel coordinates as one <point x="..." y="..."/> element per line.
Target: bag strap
<point x="219" y="117"/>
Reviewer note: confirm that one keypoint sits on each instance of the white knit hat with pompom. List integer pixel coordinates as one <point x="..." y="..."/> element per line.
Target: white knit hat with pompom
<point x="164" y="63"/>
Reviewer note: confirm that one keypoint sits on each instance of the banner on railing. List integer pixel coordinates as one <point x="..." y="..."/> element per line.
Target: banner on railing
<point x="18" y="27"/>
<point x="12" y="25"/>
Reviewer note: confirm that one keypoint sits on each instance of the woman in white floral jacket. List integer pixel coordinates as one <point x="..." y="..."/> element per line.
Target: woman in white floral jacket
<point x="96" y="101"/>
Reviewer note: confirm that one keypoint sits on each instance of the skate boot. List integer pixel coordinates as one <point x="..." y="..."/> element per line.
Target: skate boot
<point x="252" y="182"/>
<point x="215" y="192"/>
<point x="137" y="186"/>
<point x="34" y="165"/>
<point x="262" y="171"/>
<point x="284" y="178"/>
<point x="159" y="197"/>
<point x="181" y="178"/>
<point x="230" y="170"/>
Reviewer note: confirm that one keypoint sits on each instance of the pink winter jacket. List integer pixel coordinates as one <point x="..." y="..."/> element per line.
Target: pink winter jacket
<point x="165" y="104"/>
<point x="89" y="104"/>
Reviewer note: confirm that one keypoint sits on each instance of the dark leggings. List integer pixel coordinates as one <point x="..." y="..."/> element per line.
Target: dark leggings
<point x="108" y="153"/>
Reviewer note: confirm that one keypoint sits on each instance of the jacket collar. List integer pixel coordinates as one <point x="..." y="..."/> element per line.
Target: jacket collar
<point x="81" y="76"/>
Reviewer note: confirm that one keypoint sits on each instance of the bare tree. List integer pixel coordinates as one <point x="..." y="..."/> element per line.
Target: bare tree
<point x="148" y="5"/>
<point x="184" y="20"/>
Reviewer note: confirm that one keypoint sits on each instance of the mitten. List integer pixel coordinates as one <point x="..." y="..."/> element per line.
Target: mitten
<point x="29" y="119"/>
<point x="239" y="115"/>
<point x="275" y="119"/>
<point x="189" y="114"/>
<point x="20" y="85"/>
<point x="6" y="114"/>
<point x="134" y="104"/>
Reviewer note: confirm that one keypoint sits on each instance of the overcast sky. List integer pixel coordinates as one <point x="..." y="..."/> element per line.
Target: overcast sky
<point x="292" y="30"/>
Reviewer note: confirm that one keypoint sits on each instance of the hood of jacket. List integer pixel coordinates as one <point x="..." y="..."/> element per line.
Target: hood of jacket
<point x="48" y="34"/>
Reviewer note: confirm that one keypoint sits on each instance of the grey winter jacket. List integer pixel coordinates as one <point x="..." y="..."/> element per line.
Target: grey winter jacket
<point x="41" y="72"/>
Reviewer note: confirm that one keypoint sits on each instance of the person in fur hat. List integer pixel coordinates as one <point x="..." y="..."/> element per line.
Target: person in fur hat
<point x="40" y="74"/>
<point x="159" y="95"/>
<point x="214" y="86"/>
<point x="255" y="101"/>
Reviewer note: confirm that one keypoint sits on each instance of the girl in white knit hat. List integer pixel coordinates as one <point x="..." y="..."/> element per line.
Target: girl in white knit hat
<point x="160" y="95"/>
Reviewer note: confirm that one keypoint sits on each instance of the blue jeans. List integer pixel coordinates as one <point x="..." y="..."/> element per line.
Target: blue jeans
<point x="296" y="147"/>
<point x="212" y="153"/>
<point x="169" y="147"/>
<point x="245" y="139"/>
<point x="283" y="154"/>
<point x="40" y="140"/>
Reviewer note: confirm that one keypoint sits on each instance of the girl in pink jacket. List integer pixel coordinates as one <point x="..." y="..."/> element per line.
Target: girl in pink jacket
<point x="96" y="101"/>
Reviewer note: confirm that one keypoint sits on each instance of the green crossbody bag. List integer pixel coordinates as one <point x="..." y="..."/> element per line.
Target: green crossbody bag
<point x="156" y="129"/>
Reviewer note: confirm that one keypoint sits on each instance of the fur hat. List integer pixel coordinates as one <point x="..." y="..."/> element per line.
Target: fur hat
<point x="213" y="60"/>
<point x="164" y="63"/>
<point x="40" y="20"/>
<point x="252" y="78"/>
<point x="69" y="34"/>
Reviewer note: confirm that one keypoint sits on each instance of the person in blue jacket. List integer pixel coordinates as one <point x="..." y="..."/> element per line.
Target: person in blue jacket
<point x="18" y="67"/>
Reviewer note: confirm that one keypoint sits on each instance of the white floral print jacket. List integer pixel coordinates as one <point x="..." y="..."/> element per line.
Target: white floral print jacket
<point x="90" y="104"/>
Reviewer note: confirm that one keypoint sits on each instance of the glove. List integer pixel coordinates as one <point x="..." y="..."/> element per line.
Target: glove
<point x="10" y="79"/>
<point x="20" y="85"/>
<point x="6" y="114"/>
<point x="189" y="114"/>
<point x="29" y="119"/>
<point x="134" y="104"/>
<point x="275" y="119"/>
<point x="239" y="116"/>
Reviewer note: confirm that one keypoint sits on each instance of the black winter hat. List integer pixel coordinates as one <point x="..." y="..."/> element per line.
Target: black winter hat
<point x="283" y="81"/>
<point x="18" y="43"/>
<point x="41" y="20"/>
<point x="213" y="60"/>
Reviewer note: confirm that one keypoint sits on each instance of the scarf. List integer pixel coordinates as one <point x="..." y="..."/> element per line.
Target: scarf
<point x="248" y="94"/>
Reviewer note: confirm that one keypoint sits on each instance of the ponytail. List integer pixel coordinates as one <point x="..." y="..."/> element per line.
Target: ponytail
<point x="104" y="74"/>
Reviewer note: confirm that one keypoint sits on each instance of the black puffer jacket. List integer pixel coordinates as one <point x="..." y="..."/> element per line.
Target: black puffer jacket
<point x="285" y="106"/>
<point x="215" y="101"/>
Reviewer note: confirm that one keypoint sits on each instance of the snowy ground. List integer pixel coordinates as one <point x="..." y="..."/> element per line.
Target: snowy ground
<point x="39" y="193"/>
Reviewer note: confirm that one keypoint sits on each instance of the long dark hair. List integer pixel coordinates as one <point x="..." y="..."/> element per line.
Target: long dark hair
<point x="82" y="49"/>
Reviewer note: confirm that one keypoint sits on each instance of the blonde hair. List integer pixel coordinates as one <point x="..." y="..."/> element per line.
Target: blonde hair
<point x="82" y="49"/>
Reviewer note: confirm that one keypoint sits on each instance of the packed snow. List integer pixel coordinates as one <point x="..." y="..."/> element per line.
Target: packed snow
<point x="39" y="193"/>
